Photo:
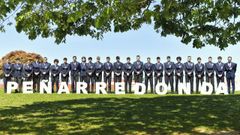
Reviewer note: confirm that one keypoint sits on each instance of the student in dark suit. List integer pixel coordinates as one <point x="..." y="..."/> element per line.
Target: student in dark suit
<point x="230" y="69"/>
<point x="65" y="69"/>
<point x="45" y="68"/>
<point x="27" y="72"/>
<point x="179" y="67"/>
<point x="55" y="71"/>
<point x="17" y="74"/>
<point x="90" y="74"/>
<point x="98" y="70"/>
<point x="199" y="73"/>
<point x="169" y="69"/>
<point x="108" y="68"/>
<point x="148" y="69"/>
<point x="128" y="69"/>
<point x="118" y="67"/>
<point x="189" y="69"/>
<point x="209" y="67"/>
<point x="158" y="71"/>
<point x="138" y="70"/>
<point x="219" y="69"/>
<point x="7" y="70"/>
<point x="83" y="72"/>
<point x="75" y="69"/>
<point x="36" y="75"/>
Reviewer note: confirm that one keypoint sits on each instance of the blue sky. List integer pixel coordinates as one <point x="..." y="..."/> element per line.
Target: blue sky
<point x="145" y="42"/>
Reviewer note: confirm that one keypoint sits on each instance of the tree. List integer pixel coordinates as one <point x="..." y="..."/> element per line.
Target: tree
<point x="199" y="22"/>
<point x="24" y="57"/>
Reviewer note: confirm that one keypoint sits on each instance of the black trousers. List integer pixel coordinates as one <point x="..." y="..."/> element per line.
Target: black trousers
<point x="211" y="80"/>
<point x="230" y="81"/>
<point x="219" y="79"/>
<point x="138" y="78"/>
<point x="55" y="81"/>
<point x="5" y="81"/>
<point x="98" y="78"/>
<point x="169" y="80"/>
<point x="83" y="78"/>
<point x="108" y="81"/>
<point x="90" y="79"/>
<point x="18" y="80"/>
<point x="157" y="79"/>
<point x="149" y="79"/>
<point x="177" y="80"/>
<point x="45" y="77"/>
<point x="65" y="79"/>
<point x="36" y="83"/>
<point x="117" y="79"/>
<point x="198" y="82"/>
<point x="74" y="80"/>
<point x="189" y="79"/>
<point x="128" y="83"/>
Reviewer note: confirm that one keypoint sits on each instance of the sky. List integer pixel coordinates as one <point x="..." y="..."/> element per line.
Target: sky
<point x="144" y="42"/>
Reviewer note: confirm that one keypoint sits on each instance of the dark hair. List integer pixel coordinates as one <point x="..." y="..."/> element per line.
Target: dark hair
<point x="89" y="58"/>
<point x="210" y="57"/>
<point x="168" y="57"/>
<point x="117" y="57"/>
<point x="179" y="58"/>
<point x="138" y="55"/>
<point x="107" y="57"/>
<point x="219" y="57"/>
<point x="128" y="58"/>
<point x="17" y="58"/>
<point x="65" y="58"/>
<point x="83" y="57"/>
<point x="158" y="58"/>
<point x="74" y="57"/>
<point x="148" y="58"/>
<point x="199" y="58"/>
<point x="56" y="60"/>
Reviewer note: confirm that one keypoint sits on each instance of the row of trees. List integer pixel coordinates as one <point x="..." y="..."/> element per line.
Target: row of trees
<point x="196" y="22"/>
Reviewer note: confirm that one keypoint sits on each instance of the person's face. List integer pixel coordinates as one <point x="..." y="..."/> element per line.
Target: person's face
<point x="189" y="59"/>
<point x="45" y="60"/>
<point x="138" y="58"/>
<point x="158" y="60"/>
<point x="219" y="60"/>
<point x="229" y="59"/>
<point x="168" y="59"/>
<point x="89" y="60"/>
<point x="199" y="60"/>
<point x="118" y="59"/>
<point x="74" y="59"/>
<point x="108" y="60"/>
<point x="128" y="60"/>
<point x="17" y="61"/>
<point x="209" y="59"/>
<point x="98" y="59"/>
<point x="65" y="61"/>
<point x="148" y="60"/>
<point x="55" y="63"/>
<point x="83" y="60"/>
<point x="178" y="60"/>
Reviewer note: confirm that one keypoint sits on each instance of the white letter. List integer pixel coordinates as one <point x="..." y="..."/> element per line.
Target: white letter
<point x="11" y="86"/>
<point x="204" y="88"/>
<point x="184" y="89"/>
<point x="63" y="88"/>
<point x="137" y="88"/>
<point x="221" y="89"/>
<point x="43" y="87"/>
<point x="164" y="91"/>
<point x="27" y="87"/>
<point x="81" y="86"/>
<point x="100" y="86"/>
<point x="119" y="88"/>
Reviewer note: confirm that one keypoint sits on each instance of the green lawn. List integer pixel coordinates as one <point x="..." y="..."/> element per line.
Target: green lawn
<point x="114" y="114"/>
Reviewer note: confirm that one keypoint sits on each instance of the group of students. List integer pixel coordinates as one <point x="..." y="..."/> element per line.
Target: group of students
<point x="89" y="72"/>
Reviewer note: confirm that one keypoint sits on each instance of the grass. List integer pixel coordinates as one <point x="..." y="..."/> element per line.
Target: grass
<point x="119" y="114"/>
